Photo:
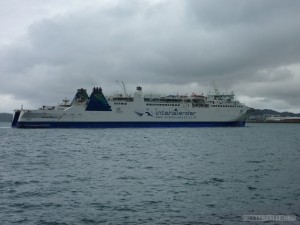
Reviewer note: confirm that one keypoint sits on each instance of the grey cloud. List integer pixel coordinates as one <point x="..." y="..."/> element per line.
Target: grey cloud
<point x="173" y="42"/>
<point x="280" y="85"/>
<point x="255" y="34"/>
<point x="217" y="14"/>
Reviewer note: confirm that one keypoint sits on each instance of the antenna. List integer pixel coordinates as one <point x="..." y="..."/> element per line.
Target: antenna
<point x="122" y="85"/>
<point x="65" y="100"/>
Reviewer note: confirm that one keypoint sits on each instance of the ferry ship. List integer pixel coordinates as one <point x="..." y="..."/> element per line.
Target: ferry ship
<point x="138" y="110"/>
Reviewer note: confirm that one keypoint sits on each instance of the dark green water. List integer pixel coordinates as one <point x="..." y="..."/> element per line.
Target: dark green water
<point x="149" y="176"/>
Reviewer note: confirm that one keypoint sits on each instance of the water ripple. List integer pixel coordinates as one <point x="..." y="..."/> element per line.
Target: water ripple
<point x="148" y="176"/>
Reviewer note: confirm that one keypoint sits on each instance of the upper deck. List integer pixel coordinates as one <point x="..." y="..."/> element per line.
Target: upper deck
<point x="215" y="99"/>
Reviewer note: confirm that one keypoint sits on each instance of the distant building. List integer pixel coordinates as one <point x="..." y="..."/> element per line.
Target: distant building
<point x="267" y="118"/>
<point x="280" y="118"/>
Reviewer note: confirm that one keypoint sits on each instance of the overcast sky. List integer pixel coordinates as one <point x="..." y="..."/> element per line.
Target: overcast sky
<point x="50" y="48"/>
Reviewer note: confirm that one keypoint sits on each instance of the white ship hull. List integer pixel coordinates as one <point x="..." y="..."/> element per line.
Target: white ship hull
<point x="137" y="111"/>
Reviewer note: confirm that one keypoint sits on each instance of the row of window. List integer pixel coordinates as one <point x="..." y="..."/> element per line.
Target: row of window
<point x="162" y="100"/>
<point x="149" y="104"/>
<point x="163" y="104"/>
<point x="226" y="106"/>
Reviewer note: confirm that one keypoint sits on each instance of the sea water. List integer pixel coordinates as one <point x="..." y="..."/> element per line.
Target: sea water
<point x="149" y="176"/>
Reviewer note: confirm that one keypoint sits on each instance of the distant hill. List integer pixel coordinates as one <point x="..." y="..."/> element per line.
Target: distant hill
<point x="5" y="117"/>
<point x="261" y="112"/>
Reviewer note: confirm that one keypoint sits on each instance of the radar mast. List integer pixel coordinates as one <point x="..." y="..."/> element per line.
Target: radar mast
<point x="122" y="85"/>
<point x="215" y="86"/>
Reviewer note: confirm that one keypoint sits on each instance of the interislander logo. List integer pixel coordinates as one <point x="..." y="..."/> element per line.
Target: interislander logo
<point x="174" y="113"/>
<point x="140" y="113"/>
<point x="166" y="114"/>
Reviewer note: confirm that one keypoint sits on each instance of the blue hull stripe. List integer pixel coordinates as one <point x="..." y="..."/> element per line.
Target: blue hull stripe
<point x="127" y="124"/>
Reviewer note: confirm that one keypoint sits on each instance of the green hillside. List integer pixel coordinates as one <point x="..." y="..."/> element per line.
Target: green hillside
<point x="6" y="117"/>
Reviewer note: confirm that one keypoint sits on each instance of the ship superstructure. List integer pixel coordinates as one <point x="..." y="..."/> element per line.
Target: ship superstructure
<point x="138" y="110"/>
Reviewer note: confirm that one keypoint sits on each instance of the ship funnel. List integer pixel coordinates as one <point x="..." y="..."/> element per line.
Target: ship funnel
<point x="80" y="96"/>
<point x="97" y="90"/>
<point x="138" y="92"/>
<point x="97" y="101"/>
